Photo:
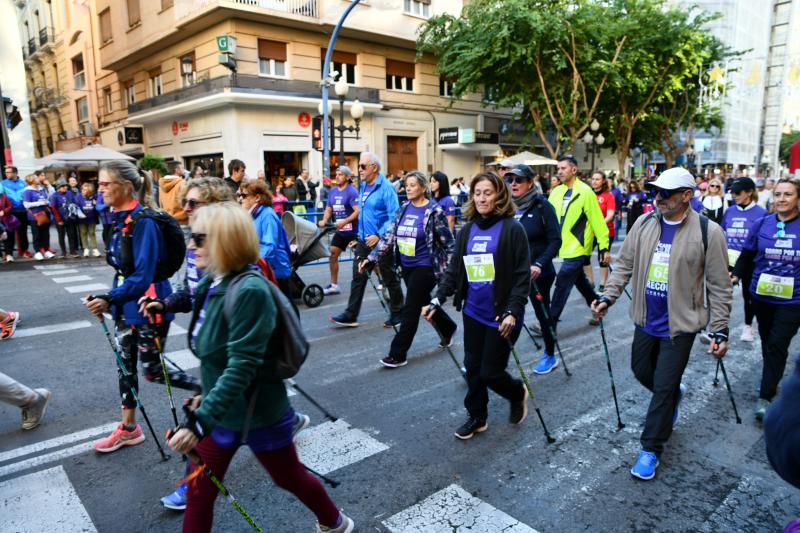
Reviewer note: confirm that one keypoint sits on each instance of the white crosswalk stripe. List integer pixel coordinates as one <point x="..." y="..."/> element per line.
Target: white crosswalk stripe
<point x="53" y="328"/>
<point x="71" y="279"/>
<point x="87" y="288"/>
<point x="59" y="272"/>
<point x="334" y="445"/>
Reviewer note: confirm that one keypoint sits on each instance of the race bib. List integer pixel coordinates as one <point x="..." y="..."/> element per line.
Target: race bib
<point x="733" y="256"/>
<point x="775" y="286"/>
<point x="480" y="268"/>
<point x="659" y="268"/>
<point x="407" y="246"/>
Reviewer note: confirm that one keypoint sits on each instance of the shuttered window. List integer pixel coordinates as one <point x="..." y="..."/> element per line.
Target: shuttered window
<point x="399" y="75"/>
<point x="344" y="63"/>
<point x="105" y="25"/>
<point x="271" y="58"/>
<point x="134" y="17"/>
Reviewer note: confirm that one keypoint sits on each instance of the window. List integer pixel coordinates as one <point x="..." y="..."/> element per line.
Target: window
<point x="342" y="62"/>
<point x="156" y="87"/>
<point x="129" y="89"/>
<point x="166" y="4"/>
<point x="82" y="105"/>
<point x="109" y="103"/>
<point x="421" y="8"/>
<point x="105" y="25"/>
<point x="399" y="75"/>
<point x="445" y="87"/>
<point x="271" y="58"/>
<point x="134" y="17"/>
<point x="188" y="70"/>
<point x="78" y="72"/>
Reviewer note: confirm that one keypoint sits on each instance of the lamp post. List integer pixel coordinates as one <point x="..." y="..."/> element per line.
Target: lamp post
<point x="356" y="111"/>
<point x="593" y="139"/>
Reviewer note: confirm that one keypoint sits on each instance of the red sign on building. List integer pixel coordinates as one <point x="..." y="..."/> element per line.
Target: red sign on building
<point x="304" y="119"/>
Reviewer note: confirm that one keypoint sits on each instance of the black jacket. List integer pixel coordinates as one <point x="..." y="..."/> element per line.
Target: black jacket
<point x="512" y="278"/>
<point x="234" y="185"/>
<point x="544" y="233"/>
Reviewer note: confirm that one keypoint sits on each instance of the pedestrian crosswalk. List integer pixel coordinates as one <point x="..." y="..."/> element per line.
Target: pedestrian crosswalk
<point x="77" y="283"/>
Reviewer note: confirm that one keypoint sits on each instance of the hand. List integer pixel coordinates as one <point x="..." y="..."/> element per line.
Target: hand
<point x="363" y="265"/>
<point x="148" y="305"/>
<point x="339" y="224"/>
<point x="506" y="326"/>
<point x="60" y="223"/>
<point x="535" y="273"/>
<point x="96" y="306"/>
<point x="605" y="258"/>
<point x="734" y="279"/>
<point x="601" y="308"/>
<point x="322" y="223"/>
<point x="372" y="240"/>
<point x="194" y="403"/>
<point x="428" y="311"/>
<point x="718" y="350"/>
<point x="3" y="236"/>
<point x="183" y="441"/>
<point x="2" y="213"/>
<point x="352" y="244"/>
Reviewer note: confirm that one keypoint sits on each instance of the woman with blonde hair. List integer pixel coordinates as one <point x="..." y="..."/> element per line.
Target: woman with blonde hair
<point x="241" y="402"/>
<point x="714" y="201"/>
<point x="35" y="199"/>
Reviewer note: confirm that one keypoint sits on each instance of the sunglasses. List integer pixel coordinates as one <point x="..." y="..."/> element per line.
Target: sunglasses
<point x="516" y="179"/>
<point x="713" y="186"/>
<point x="242" y="195"/>
<point x="781" y="229"/>
<point x="666" y="193"/>
<point x="199" y="239"/>
<point x="363" y="166"/>
<point x="192" y="204"/>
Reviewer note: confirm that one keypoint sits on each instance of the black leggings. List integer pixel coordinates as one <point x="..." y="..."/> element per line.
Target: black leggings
<point x="777" y="325"/>
<point x="70" y="230"/>
<point x="749" y="307"/>
<point x="41" y="237"/>
<point x="543" y="283"/>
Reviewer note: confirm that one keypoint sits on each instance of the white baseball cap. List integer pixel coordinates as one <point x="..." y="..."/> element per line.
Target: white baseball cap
<point x="672" y="179"/>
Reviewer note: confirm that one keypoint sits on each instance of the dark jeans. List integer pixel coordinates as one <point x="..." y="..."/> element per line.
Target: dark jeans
<point x="70" y="230"/>
<point x="22" y="232"/>
<point x="544" y="283"/>
<point x="420" y="281"/>
<point x="777" y="324"/>
<point x="571" y="273"/>
<point x="41" y="237"/>
<point x="485" y="358"/>
<point x="749" y="306"/>
<point x="359" y="283"/>
<point x="658" y="363"/>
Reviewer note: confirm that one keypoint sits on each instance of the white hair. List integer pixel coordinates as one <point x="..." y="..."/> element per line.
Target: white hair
<point x="373" y="159"/>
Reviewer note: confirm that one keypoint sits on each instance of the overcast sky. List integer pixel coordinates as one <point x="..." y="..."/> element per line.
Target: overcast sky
<point x="12" y="77"/>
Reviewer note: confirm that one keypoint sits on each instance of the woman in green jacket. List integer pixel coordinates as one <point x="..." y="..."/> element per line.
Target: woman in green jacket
<point x="231" y="354"/>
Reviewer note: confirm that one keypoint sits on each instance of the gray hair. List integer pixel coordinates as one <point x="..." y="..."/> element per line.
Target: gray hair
<point x="373" y="159"/>
<point x="423" y="181"/>
<point x="140" y="180"/>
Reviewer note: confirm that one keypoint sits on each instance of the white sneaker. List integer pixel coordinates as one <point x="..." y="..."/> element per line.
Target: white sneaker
<point x="95" y="253"/>
<point x="85" y="252"/>
<point x="38" y="256"/>
<point x="9" y="259"/>
<point x="331" y="289"/>
<point x="49" y="255"/>
<point x="747" y="334"/>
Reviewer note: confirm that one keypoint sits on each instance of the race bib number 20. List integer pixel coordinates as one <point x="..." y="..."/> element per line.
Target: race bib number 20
<point x="775" y="286"/>
<point x="480" y="267"/>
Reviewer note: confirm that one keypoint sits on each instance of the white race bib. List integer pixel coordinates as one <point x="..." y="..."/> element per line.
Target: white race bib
<point x="659" y="268"/>
<point x="775" y="286"/>
<point x="733" y="256"/>
<point x="480" y="268"/>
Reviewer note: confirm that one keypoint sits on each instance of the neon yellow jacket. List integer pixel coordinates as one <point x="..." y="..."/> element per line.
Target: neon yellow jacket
<point x="583" y="220"/>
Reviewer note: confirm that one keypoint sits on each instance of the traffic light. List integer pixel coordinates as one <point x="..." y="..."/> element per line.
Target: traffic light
<point x="316" y="133"/>
<point x="13" y="118"/>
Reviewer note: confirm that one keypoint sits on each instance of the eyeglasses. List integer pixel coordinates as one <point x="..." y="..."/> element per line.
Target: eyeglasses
<point x="666" y="193"/>
<point x="199" y="239"/>
<point x="513" y="178"/>
<point x="104" y="184"/>
<point x="242" y="195"/>
<point x="781" y="229"/>
<point x="192" y="204"/>
<point x="363" y="166"/>
<point x="713" y="186"/>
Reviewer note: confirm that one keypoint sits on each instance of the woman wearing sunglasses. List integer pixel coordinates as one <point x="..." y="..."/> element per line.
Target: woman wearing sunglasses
<point x="241" y="402"/>
<point x="771" y="255"/>
<point x="714" y="201"/>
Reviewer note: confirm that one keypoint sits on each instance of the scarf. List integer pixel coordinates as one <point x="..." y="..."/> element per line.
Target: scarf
<point x="524" y="202"/>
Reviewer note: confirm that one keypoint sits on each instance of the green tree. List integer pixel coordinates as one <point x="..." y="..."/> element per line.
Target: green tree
<point x="153" y="162"/>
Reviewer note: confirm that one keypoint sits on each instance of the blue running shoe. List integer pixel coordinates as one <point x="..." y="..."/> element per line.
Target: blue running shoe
<point x="300" y="423"/>
<point x="681" y="394"/>
<point x="546" y="364"/>
<point x="645" y="467"/>
<point x="177" y="500"/>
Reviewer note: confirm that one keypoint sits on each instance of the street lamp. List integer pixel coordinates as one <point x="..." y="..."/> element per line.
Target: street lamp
<point x="341" y="89"/>
<point x="594" y="141"/>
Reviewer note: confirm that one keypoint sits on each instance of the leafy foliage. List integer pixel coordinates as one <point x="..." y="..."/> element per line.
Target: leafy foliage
<point x="150" y="162"/>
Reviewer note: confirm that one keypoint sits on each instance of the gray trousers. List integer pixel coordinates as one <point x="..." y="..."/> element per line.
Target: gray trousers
<point x="14" y="392"/>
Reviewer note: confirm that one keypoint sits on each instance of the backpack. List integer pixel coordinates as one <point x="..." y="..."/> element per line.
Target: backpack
<point x="288" y="347"/>
<point x="174" y="244"/>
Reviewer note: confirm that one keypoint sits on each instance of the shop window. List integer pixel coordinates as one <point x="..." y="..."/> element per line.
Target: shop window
<point x="78" y="72"/>
<point x="399" y="75"/>
<point x="344" y="63"/>
<point x="271" y="58"/>
<point x="105" y="25"/>
<point x="420" y="8"/>
<point x="213" y="163"/>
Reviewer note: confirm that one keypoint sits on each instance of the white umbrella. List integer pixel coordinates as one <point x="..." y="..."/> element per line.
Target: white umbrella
<point x="526" y="158"/>
<point x="96" y="153"/>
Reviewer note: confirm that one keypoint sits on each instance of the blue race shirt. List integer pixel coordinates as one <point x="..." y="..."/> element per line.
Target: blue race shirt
<point x="342" y="203"/>
<point x="655" y="293"/>
<point x="193" y="274"/>
<point x="448" y="205"/>
<point x="564" y="206"/>
<point x="411" y="240"/>
<point x="776" y="278"/>
<point x="480" y="267"/>
<point x="737" y="223"/>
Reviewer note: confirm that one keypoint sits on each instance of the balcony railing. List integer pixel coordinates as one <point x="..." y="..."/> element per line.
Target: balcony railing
<point x="32" y="46"/>
<point x="24" y="52"/>
<point x="45" y="36"/>
<point x="304" y="8"/>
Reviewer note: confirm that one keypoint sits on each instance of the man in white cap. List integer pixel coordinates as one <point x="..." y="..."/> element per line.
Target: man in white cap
<point x="677" y="261"/>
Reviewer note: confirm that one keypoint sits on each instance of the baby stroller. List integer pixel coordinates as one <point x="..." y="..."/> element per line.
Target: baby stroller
<point x="306" y="242"/>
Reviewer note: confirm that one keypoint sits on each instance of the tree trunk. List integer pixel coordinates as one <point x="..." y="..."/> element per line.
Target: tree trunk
<point x="668" y="158"/>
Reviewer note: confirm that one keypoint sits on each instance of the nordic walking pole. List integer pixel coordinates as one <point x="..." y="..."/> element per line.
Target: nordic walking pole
<point x="522" y="373"/>
<point x="625" y="289"/>
<point x="721" y="365"/>
<point x="164" y="370"/>
<point x="449" y="351"/>
<point x="324" y="411"/>
<point x="550" y="325"/>
<point x="380" y="297"/>
<point x="620" y="425"/>
<point x="332" y="482"/>
<point x="530" y="334"/>
<point x="716" y="375"/>
<point x="126" y="374"/>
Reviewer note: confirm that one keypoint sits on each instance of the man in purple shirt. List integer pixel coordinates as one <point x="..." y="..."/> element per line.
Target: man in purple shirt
<point x="342" y="208"/>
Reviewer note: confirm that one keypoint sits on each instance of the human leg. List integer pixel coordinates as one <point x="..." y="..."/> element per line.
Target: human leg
<point x="775" y="346"/>
<point x="419" y="282"/>
<point x="15" y="393"/>
<point x="62" y="232"/>
<point x="567" y="274"/>
<point x="334" y="264"/>
<point x="644" y="354"/>
<point x="72" y="237"/>
<point x="357" y="286"/>
<point x="201" y="492"/>
<point x="541" y="308"/>
<point x="150" y="357"/>
<point x="392" y="283"/>
<point x="476" y="400"/>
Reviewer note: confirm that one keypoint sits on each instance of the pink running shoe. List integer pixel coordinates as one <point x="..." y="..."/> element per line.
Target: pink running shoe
<point x="9" y="326"/>
<point x="119" y="438"/>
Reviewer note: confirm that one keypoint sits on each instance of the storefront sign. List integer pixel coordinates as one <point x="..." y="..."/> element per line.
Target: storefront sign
<point x="180" y="126"/>
<point x="485" y="137"/>
<point x="467" y="136"/>
<point x="134" y="135"/>
<point x="448" y="135"/>
<point x="226" y="44"/>
<point x="304" y="119"/>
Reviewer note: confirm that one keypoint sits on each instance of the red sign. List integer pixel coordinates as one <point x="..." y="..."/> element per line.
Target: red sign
<point x="174" y="128"/>
<point x="182" y="126"/>
<point x="304" y="119"/>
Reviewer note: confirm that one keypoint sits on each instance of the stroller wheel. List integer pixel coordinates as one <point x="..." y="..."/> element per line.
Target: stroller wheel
<point x="312" y="295"/>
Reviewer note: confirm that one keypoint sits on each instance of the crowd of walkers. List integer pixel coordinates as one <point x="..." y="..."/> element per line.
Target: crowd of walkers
<point x="681" y="257"/>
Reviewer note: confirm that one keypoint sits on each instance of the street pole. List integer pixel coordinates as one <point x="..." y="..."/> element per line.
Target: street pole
<point x="594" y="144"/>
<point x="326" y="148"/>
<point x="341" y="130"/>
<point x="4" y="127"/>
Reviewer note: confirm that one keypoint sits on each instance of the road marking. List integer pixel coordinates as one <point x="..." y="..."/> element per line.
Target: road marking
<point x="56" y="442"/>
<point x="71" y="279"/>
<point x="87" y="288"/>
<point x="175" y="329"/>
<point x="454" y="509"/>
<point x="49" y="267"/>
<point x="52" y="457"/>
<point x="334" y="445"/>
<point x="55" y="328"/>
<point x="42" y="501"/>
<point x="59" y="272"/>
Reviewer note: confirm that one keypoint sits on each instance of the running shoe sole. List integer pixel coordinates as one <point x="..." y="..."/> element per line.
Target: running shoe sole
<point x="345" y="324"/>
<point x="120" y="444"/>
<point x="12" y="327"/>
<point x="393" y="365"/>
<point x="172" y="507"/>
<point x="645" y="478"/>
<point x="467" y="437"/>
<point x="538" y="373"/>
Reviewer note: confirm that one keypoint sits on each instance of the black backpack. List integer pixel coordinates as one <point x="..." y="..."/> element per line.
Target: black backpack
<point x="173" y="244"/>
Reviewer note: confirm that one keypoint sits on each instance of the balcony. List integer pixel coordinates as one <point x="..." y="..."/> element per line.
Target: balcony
<point x="46" y="39"/>
<point x="248" y="90"/>
<point x="31" y="46"/>
<point x="301" y="8"/>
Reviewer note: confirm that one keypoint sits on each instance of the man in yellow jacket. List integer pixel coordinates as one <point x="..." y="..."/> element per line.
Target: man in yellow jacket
<point x="581" y="223"/>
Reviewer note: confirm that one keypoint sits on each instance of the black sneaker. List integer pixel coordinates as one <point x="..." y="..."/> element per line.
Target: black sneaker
<point x="470" y="427"/>
<point x="344" y="320"/>
<point x="519" y="410"/>
<point x="393" y="362"/>
<point x="393" y="321"/>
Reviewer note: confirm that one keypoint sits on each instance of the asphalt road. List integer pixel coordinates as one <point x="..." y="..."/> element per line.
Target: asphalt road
<point x="393" y="449"/>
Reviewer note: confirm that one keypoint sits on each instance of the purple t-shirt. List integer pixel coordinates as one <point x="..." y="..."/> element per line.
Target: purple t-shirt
<point x="342" y="203"/>
<point x="776" y="278"/>
<point x="655" y="292"/>
<point x="193" y="273"/>
<point x="411" y="241"/>
<point x="480" y="267"/>
<point x="737" y="223"/>
<point x="448" y="205"/>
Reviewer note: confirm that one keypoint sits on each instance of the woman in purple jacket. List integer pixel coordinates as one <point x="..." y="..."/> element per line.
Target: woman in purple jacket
<point x="34" y="198"/>
<point x="66" y="218"/>
<point x="87" y="226"/>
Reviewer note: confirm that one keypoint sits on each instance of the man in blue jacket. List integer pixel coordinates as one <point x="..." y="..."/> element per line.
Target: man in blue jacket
<point x="377" y="204"/>
<point x="13" y="187"/>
